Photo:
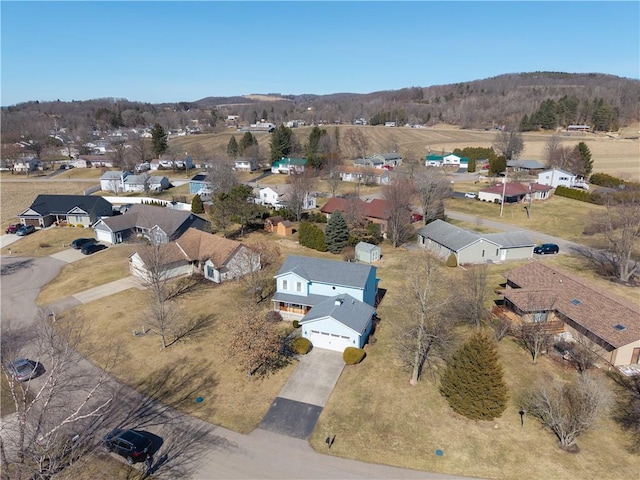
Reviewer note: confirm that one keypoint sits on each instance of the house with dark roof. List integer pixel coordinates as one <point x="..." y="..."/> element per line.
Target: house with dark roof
<point x="157" y="224"/>
<point x="82" y="210"/>
<point x="391" y="159"/>
<point x="514" y="192"/>
<point x="334" y="301"/>
<point x="529" y="166"/>
<point x="444" y="239"/>
<point x="217" y="258"/>
<point x="610" y="325"/>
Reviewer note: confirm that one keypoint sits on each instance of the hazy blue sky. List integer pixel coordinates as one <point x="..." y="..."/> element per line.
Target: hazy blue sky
<point x="184" y="51"/>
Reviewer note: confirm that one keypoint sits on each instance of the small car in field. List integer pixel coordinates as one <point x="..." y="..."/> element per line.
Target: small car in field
<point x="78" y="243"/>
<point x="25" y="230"/>
<point x="133" y="445"/>
<point x="470" y="195"/>
<point x="90" y="248"/>
<point x="546" y="248"/>
<point x="416" y="217"/>
<point x="13" y="228"/>
<point x="23" y="369"/>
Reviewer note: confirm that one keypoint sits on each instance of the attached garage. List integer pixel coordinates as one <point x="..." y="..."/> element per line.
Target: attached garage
<point x="103" y="236"/>
<point x="338" y="322"/>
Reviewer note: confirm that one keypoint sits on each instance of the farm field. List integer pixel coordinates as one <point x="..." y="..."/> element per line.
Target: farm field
<point x="617" y="155"/>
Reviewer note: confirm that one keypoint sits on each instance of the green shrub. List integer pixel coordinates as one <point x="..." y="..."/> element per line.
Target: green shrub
<point x="353" y="355"/>
<point x="301" y="345"/>
<point x="605" y="180"/>
<point x="79" y="225"/>
<point x="295" y="324"/>
<point x="574" y="194"/>
<point x="452" y="261"/>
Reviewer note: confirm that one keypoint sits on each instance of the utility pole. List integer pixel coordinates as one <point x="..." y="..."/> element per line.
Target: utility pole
<point x="504" y="189"/>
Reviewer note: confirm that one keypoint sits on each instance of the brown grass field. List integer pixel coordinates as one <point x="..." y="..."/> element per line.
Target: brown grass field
<point x="617" y="155"/>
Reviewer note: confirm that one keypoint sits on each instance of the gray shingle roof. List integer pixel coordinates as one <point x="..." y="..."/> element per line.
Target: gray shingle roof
<point x="366" y="247"/>
<point x="529" y="164"/>
<point x="344" y="309"/>
<point x="452" y="237"/>
<point x="331" y="272"/>
<point x="309" y="300"/>
<point x="456" y="238"/>
<point x="510" y="239"/>
<point x="148" y="216"/>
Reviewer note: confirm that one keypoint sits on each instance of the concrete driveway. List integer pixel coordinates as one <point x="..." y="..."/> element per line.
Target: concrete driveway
<point x="295" y="411"/>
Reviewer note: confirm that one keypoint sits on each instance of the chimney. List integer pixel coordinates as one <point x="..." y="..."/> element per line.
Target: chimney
<point x="338" y="302"/>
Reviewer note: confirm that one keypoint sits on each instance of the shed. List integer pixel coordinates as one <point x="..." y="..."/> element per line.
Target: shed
<point x="284" y="228"/>
<point x="367" y="252"/>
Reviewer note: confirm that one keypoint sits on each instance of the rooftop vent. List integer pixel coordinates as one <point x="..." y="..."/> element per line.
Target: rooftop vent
<point x="338" y="301"/>
<point x="575" y="301"/>
<point x="620" y="327"/>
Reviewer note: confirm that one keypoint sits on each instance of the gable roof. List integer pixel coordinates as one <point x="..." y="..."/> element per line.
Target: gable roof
<point x="559" y="171"/>
<point x="142" y="179"/>
<point x="329" y="272"/>
<point x="344" y="309"/>
<point x="148" y="216"/>
<point x="376" y="208"/>
<point x="456" y="238"/>
<point x="587" y="305"/>
<point x="113" y="175"/>
<point x="366" y="247"/>
<point x="527" y="164"/>
<point x="452" y="237"/>
<point x="45" y="205"/>
<point x="199" y="245"/>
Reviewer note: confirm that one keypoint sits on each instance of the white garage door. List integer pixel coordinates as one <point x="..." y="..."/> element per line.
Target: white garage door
<point x="329" y="341"/>
<point x="103" y="236"/>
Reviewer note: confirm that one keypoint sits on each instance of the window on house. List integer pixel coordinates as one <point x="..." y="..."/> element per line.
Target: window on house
<point x="285" y="285"/>
<point x="210" y="271"/>
<point x="298" y="286"/>
<point x="497" y="251"/>
<point x="482" y="253"/>
<point x="540" y="317"/>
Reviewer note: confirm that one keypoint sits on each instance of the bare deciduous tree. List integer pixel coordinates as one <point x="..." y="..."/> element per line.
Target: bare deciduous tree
<point x="398" y="197"/>
<point x="141" y="148"/>
<point x="620" y="226"/>
<point x="470" y="305"/>
<point x="570" y="409"/>
<point x="627" y="411"/>
<point x="156" y="274"/>
<point x="427" y="330"/>
<point x="300" y="185"/>
<point x="221" y="176"/>
<point x="550" y="151"/>
<point x="509" y="143"/>
<point x="432" y="188"/>
<point x="534" y="335"/>
<point x="259" y="282"/>
<point x="255" y="343"/>
<point x="55" y="412"/>
<point x="357" y="140"/>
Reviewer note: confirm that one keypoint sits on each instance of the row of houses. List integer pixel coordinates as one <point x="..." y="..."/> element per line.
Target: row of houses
<point x="336" y="301"/>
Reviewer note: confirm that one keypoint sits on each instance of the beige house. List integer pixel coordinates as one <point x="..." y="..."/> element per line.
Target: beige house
<point x="196" y="252"/>
<point x="611" y="325"/>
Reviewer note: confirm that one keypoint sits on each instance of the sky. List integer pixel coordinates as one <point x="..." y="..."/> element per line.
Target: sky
<point x="165" y="51"/>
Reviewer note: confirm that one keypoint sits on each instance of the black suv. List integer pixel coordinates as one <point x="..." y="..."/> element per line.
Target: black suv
<point x="546" y="248"/>
<point x="78" y="243"/>
<point x="133" y="445"/>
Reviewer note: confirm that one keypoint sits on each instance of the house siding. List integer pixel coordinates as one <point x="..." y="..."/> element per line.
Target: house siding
<point x="479" y="252"/>
<point x="518" y="253"/>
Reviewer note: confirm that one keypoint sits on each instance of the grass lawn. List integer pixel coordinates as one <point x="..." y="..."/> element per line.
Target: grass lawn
<point x="559" y="216"/>
<point x="378" y="417"/>
<point x="45" y="242"/>
<point x="112" y="264"/>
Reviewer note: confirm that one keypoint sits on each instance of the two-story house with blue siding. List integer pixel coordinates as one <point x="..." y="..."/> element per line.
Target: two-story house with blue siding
<point x="333" y="300"/>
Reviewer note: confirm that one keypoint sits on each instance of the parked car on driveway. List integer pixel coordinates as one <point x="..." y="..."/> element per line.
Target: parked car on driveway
<point x="546" y="248"/>
<point x="13" y="228"/>
<point x="470" y="195"/>
<point x="133" y="445"/>
<point x="25" y="230"/>
<point x="90" y="248"/>
<point x="23" y="369"/>
<point x="78" y="243"/>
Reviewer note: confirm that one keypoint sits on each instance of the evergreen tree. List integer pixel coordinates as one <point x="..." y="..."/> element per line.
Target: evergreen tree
<point x="473" y="382"/>
<point x="585" y="155"/>
<point x="281" y="143"/>
<point x="336" y="235"/>
<point x="312" y="152"/>
<point x="232" y="147"/>
<point x="159" y="143"/>
<point x="196" y="204"/>
<point x="311" y="236"/>
<point x="247" y="141"/>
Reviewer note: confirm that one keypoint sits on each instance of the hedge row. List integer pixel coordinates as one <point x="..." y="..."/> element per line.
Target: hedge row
<point x="574" y="194"/>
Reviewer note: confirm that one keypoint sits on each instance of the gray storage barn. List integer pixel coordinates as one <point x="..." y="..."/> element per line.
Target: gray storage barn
<point x="367" y="252"/>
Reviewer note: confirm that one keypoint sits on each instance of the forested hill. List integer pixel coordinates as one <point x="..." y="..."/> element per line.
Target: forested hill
<point x="528" y="100"/>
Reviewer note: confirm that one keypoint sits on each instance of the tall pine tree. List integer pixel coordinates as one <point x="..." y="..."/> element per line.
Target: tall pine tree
<point x="232" y="147"/>
<point x="336" y="235"/>
<point x="473" y="382"/>
<point x="196" y="204"/>
<point x="584" y="153"/>
<point x="159" y="143"/>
